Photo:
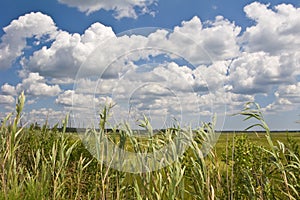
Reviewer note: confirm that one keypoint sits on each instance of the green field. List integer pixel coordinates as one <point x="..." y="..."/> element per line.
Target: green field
<point x="43" y="163"/>
<point x="258" y="139"/>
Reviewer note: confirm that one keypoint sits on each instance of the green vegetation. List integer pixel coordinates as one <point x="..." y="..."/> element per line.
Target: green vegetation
<point x="48" y="164"/>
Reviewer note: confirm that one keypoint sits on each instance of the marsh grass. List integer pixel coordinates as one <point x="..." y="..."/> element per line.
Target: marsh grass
<point x="48" y="164"/>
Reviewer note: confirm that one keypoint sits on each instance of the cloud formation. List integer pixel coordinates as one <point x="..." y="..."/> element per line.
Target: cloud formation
<point x="121" y="8"/>
<point x="276" y="31"/>
<point x="217" y="41"/>
<point x="33" y="25"/>
<point x="187" y="69"/>
<point x="34" y="85"/>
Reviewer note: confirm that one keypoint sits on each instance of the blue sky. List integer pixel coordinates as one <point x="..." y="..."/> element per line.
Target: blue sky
<point x="203" y="57"/>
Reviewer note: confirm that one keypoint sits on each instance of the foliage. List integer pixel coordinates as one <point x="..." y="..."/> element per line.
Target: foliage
<point x="42" y="163"/>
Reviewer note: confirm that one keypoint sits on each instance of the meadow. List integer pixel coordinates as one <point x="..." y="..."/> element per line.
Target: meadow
<point x="43" y="163"/>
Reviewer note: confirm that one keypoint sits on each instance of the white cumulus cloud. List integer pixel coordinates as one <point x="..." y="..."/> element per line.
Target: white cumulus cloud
<point x="276" y="30"/>
<point x="7" y="99"/>
<point x="8" y="89"/>
<point x="68" y="51"/>
<point x="30" y="25"/>
<point x="36" y="85"/>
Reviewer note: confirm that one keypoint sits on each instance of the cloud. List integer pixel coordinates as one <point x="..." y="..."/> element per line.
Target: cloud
<point x="7" y="100"/>
<point x="169" y="91"/>
<point x="8" y="89"/>
<point x="254" y="73"/>
<point x="276" y="31"/>
<point x="66" y="98"/>
<point x="36" y="85"/>
<point x="85" y="108"/>
<point x="212" y="77"/>
<point x="80" y="100"/>
<point x="171" y="76"/>
<point x="32" y="25"/>
<point x="287" y="97"/>
<point x="202" y="42"/>
<point x="121" y="8"/>
<point x="271" y="57"/>
<point x="217" y="40"/>
<point x="68" y="51"/>
<point x="289" y="92"/>
<point x="197" y="67"/>
<point x="99" y="47"/>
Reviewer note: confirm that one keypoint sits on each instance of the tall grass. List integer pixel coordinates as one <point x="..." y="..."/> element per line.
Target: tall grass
<point x="48" y="164"/>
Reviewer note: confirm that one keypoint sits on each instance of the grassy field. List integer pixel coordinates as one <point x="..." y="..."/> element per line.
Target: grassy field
<point x="258" y="139"/>
<point x="42" y="163"/>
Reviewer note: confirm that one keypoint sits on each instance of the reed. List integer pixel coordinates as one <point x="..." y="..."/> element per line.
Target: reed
<point x="48" y="164"/>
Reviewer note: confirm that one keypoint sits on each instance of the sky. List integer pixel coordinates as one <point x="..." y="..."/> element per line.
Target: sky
<point x="172" y="61"/>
